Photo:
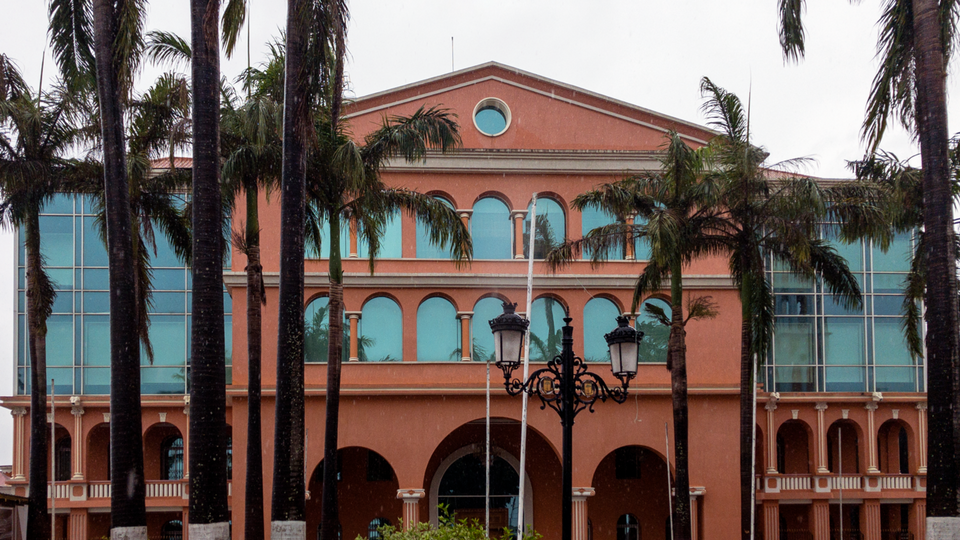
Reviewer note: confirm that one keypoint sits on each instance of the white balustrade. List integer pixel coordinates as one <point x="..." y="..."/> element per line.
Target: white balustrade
<point x="100" y="490"/>
<point x="845" y="482"/>
<point x="164" y="488"/>
<point x="896" y="482"/>
<point x="62" y="491"/>
<point x="794" y="483"/>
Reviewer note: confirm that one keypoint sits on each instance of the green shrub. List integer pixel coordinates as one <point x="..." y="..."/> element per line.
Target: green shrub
<point x="449" y="529"/>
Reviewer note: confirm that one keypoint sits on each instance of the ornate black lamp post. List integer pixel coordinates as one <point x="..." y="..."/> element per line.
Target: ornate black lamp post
<point x="565" y="385"/>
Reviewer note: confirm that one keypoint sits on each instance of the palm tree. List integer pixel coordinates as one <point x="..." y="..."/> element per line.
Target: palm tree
<point x="208" y="471"/>
<point x="682" y="222"/>
<point x="250" y="141"/>
<point x="115" y="60"/>
<point x="35" y="138"/>
<point x="767" y="217"/>
<point x="916" y="40"/>
<point x="345" y="185"/>
<point x="315" y="33"/>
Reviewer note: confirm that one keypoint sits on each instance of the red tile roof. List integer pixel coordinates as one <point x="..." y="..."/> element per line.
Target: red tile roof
<point x="178" y="163"/>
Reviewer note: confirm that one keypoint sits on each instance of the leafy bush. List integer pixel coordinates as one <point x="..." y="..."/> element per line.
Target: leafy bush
<point x="449" y="529"/>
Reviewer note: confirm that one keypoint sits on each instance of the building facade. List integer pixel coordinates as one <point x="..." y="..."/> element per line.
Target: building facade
<point x="841" y="411"/>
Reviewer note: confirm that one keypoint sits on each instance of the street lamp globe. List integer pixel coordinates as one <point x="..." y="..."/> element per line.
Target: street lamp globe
<point x="624" y="342"/>
<point x="508" y="332"/>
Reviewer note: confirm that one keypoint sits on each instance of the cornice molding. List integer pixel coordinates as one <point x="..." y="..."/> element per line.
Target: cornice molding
<point x="571" y="162"/>
<point x="479" y="281"/>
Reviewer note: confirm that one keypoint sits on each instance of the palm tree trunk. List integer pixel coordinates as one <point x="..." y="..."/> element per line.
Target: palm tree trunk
<point x="677" y="360"/>
<point x="330" y="517"/>
<point x="746" y="408"/>
<point x="253" y="498"/>
<point x="208" y="465"/>
<point x="127" y="506"/>
<point x="289" y="490"/>
<point x="38" y="524"/>
<point x="941" y="294"/>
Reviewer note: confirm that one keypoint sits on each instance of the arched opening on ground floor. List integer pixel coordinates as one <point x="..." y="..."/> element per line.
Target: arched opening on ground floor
<point x="456" y="477"/>
<point x="631" y="500"/>
<point x="366" y="494"/>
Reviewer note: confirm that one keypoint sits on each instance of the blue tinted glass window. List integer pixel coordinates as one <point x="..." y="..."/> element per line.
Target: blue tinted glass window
<point x="96" y="340"/>
<point x="162" y="380"/>
<point x="168" y="335"/>
<point x="96" y="381"/>
<point x="590" y="219"/>
<point x="62" y="278"/>
<point x="490" y="120"/>
<point x="890" y="345"/>
<point x="437" y="331"/>
<point x="653" y="346"/>
<point x="851" y="252"/>
<point x="311" y="252"/>
<point x="169" y="280"/>
<point x="169" y="302"/>
<point x="641" y="246"/>
<point x="483" y="312"/>
<point x="96" y="280"/>
<point x="63" y="377"/>
<point x="896" y="258"/>
<point x="599" y="318"/>
<point x="845" y="379"/>
<point x="59" y="204"/>
<point x="844" y="340"/>
<point x="391" y="241"/>
<point x="491" y="230"/>
<point x="425" y="248"/>
<point x="546" y="322"/>
<point x="56" y="240"/>
<point x="166" y="256"/>
<point x="381" y="330"/>
<point x="60" y="341"/>
<point x="316" y="327"/>
<point x="551" y="228"/>
<point x="63" y="302"/>
<point x="794" y="341"/>
<point x="94" y="252"/>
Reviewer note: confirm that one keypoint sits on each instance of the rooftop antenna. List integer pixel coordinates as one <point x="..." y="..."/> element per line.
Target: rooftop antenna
<point x="451" y="55"/>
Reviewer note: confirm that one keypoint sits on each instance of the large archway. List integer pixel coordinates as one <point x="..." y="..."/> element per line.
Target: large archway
<point x="461" y="454"/>
<point x="631" y="499"/>
<point x="366" y="492"/>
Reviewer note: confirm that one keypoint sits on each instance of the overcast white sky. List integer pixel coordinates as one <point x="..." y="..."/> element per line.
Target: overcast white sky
<point x="646" y="52"/>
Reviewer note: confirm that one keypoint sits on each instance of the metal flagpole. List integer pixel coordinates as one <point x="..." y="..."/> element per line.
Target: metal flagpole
<point x="526" y="366"/>
<point x="486" y="496"/>
<point x="53" y="460"/>
<point x="666" y="435"/>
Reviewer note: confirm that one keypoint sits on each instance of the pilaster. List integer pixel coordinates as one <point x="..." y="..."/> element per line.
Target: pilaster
<point x="630" y="253"/>
<point x="465" y="338"/>
<point x="186" y="445"/>
<point x="411" y="506"/>
<point x="870" y="519"/>
<point x="820" y="519"/>
<point x="821" y="407"/>
<point x="771" y="520"/>
<point x="353" y="239"/>
<point x="581" y="530"/>
<point x="918" y="519"/>
<point x="77" y="526"/>
<point x="922" y="437"/>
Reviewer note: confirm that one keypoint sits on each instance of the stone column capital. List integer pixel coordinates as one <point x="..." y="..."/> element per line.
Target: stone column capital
<point x="522" y="214"/>
<point x="820" y="406"/>
<point x="771" y="406"/>
<point x="871" y="406"/>
<point x="18" y="411"/>
<point x="922" y="406"/>
<point x="464" y="212"/>
<point x="464" y="314"/>
<point x="583" y="492"/>
<point x="411" y="494"/>
<point x="353" y="314"/>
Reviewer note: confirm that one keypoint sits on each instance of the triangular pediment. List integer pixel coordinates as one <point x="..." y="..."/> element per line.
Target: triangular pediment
<point x="543" y="114"/>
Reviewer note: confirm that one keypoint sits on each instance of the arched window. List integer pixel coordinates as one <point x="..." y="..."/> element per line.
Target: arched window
<point x="653" y="347"/>
<point x="381" y="331"/>
<point x="311" y="252"/>
<point x="599" y="318"/>
<point x="641" y="246"/>
<point x="546" y="321"/>
<point x="425" y="248"/>
<point x="391" y="240"/>
<point x="171" y="458"/>
<point x="592" y="218"/>
<point x="628" y="528"/>
<point x="551" y="228"/>
<point x="373" y="530"/>
<point x="484" y="310"/>
<point x="464" y="482"/>
<point x="491" y="230"/>
<point x="316" y="329"/>
<point x="62" y="462"/>
<point x="438" y="336"/>
<point x="172" y="530"/>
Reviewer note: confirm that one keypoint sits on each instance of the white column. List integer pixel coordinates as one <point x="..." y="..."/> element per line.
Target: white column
<point x="771" y="442"/>
<point x="821" y="406"/>
<point x="581" y="530"/>
<point x="466" y="340"/>
<point x="518" y="216"/>
<point x="76" y="409"/>
<point x="411" y="506"/>
<point x="354" y="318"/>
<point x="19" y="443"/>
<point x="922" y="436"/>
<point x="872" y="467"/>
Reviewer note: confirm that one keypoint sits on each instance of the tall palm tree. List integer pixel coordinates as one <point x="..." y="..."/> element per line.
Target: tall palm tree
<point x="681" y="223"/>
<point x="768" y="217"/>
<point x="346" y="185"/>
<point x="314" y="30"/>
<point x="209" y="514"/>
<point x="250" y="142"/>
<point x="35" y="138"/>
<point x="117" y="41"/>
<point x="916" y="41"/>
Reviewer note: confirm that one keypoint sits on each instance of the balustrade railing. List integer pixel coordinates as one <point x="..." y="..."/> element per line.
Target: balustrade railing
<point x="845" y="482"/>
<point x="896" y="482"/>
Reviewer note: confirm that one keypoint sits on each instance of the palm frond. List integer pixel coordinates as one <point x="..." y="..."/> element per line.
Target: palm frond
<point x="701" y="307"/>
<point x="168" y="48"/>
<point x="232" y="21"/>
<point x="893" y="92"/>
<point x="791" y="28"/>
<point x="71" y="35"/>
